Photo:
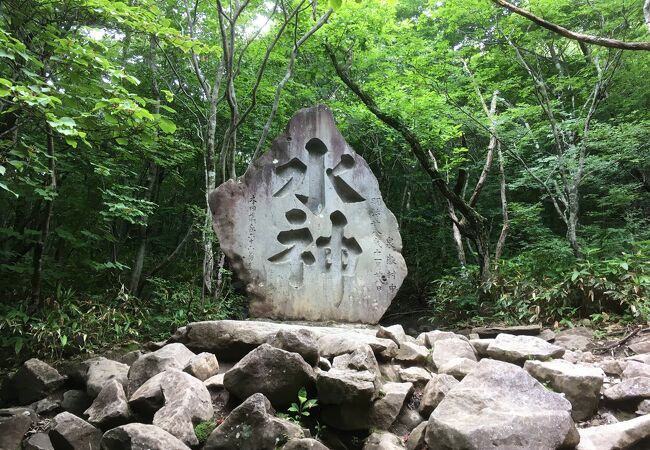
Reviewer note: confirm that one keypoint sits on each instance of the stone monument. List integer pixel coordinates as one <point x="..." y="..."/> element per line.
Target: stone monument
<point x="306" y="228"/>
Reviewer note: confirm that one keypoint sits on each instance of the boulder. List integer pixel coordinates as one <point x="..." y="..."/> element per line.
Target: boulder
<point x="138" y="436"/>
<point x="334" y="344"/>
<point x="14" y="423"/>
<point x="419" y="376"/>
<point x="186" y="402"/>
<point x="304" y="444"/>
<point x="76" y="402"/>
<point x="415" y="440"/>
<point x="617" y="436"/>
<point x="46" y="406"/>
<point x="491" y="332"/>
<point x="643" y="358"/>
<point x="302" y="341"/>
<point x="629" y="390"/>
<point x="389" y="372"/>
<point x="574" y="339"/>
<point x="458" y="367"/>
<point x="431" y="337"/>
<point x="446" y="350"/>
<point x="383" y="440"/>
<point x="110" y="408"/>
<point x="70" y="432"/>
<point x="387" y="407"/>
<point x="412" y="354"/>
<point x="500" y="406"/>
<point x="361" y="359"/>
<point x="337" y="386"/>
<point x="394" y="332"/>
<point x="37" y="441"/>
<point x="434" y="392"/>
<point x="202" y="366"/>
<point x="218" y="392"/>
<point x="547" y="335"/>
<point x="641" y="346"/>
<point x="612" y="366"/>
<point x="252" y="426"/>
<point x="481" y="345"/>
<point x="171" y="356"/>
<point x="100" y="370"/>
<point x="276" y="373"/>
<point x="579" y="383"/>
<point x="518" y="349"/>
<point x="131" y="357"/>
<point x="635" y="369"/>
<point x="643" y="408"/>
<point x="406" y="421"/>
<point x="34" y="380"/>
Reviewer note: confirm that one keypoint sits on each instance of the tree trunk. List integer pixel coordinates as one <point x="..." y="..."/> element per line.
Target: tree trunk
<point x="458" y="238"/>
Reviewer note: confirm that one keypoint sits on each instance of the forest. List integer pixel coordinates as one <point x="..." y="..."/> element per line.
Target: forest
<point x="512" y="143"/>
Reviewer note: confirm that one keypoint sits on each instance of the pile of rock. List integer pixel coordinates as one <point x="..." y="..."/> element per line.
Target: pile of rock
<point x="377" y="388"/>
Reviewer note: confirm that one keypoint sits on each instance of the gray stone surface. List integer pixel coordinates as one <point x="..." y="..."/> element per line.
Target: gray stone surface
<point x="252" y="426"/>
<point x="434" y="392"/>
<point x="301" y="341"/>
<point x="419" y="376"/>
<point x="500" y="406"/>
<point x="138" y="436"/>
<point x="491" y="332"/>
<point x="630" y="389"/>
<point x="578" y="382"/>
<point x="517" y="349"/>
<point x="100" y="370"/>
<point x="76" y="401"/>
<point x="276" y="373"/>
<point x="387" y="407"/>
<point x="635" y="369"/>
<point x="415" y="440"/>
<point x="38" y="441"/>
<point x="171" y="356"/>
<point x="458" y="367"/>
<point x="337" y="386"/>
<point x="304" y="444"/>
<point x="361" y="359"/>
<point x="110" y="408"/>
<point x="448" y="349"/>
<point x="202" y="366"/>
<point x="70" y="432"/>
<point x="35" y="380"/>
<point x="14" y="423"/>
<point x="306" y="228"/>
<point x="383" y="440"/>
<point x="410" y="353"/>
<point x="617" y="436"/>
<point x="394" y="332"/>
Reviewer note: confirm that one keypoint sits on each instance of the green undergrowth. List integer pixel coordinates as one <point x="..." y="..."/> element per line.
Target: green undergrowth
<point x="537" y="287"/>
<point x="68" y="324"/>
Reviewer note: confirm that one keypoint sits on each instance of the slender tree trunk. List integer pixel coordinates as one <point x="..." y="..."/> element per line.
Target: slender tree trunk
<point x="458" y="238"/>
<point x="39" y="247"/>
<point x="505" y="225"/>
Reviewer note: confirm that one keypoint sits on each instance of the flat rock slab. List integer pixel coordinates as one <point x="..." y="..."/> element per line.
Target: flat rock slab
<point x="492" y="332"/>
<point x="306" y="228"/>
<point x="500" y="406"/>
<point x="138" y="436"/>
<point x="630" y="389"/>
<point x="580" y="383"/>
<point x="616" y="436"/>
<point x="518" y="349"/>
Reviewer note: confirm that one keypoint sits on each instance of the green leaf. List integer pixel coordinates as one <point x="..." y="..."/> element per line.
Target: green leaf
<point x="624" y="265"/>
<point x="575" y="275"/>
<point x="71" y="142"/>
<point x="3" y="170"/>
<point x="167" y="126"/>
<point x="18" y="346"/>
<point x="294" y="408"/>
<point x="4" y="54"/>
<point x="336" y="4"/>
<point x="6" y="82"/>
<point x="122" y="141"/>
<point x="169" y="96"/>
<point x="64" y="340"/>
<point x="6" y="188"/>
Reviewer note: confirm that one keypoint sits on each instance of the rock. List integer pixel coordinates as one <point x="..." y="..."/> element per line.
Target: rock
<point x="304" y="444"/>
<point x="110" y="408"/>
<point x="575" y="339"/>
<point x="252" y="426"/>
<point x="500" y="406"/>
<point x="415" y="440"/>
<point x="434" y="392"/>
<point x="34" y="380"/>
<point x="387" y="407"/>
<point x="642" y="358"/>
<point x="337" y="386"/>
<point x="628" y="390"/>
<point x="301" y="341"/>
<point x="324" y="363"/>
<point x="406" y="421"/>
<point x="394" y="332"/>
<point x="419" y="376"/>
<point x="131" y="357"/>
<point x="100" y="370"/>
<point x="202" y="366"/>
<point x="611" y="367"/>
<point x="70" y="432"/>
<point x="276" y="373"/>
<point x="46" y="406"/>
<point x="517" y="349"/>
<point x="431" y="337"/>
<point x="335" y="344"/>
<point x="643" y="408"/>
<point x="14" y="423"/>
<point x="76" y="402"/>
<point x="446" y="350"/>
<point x="389" y="372"/>
<point x="361" y="359"/>
<point x="410" y="353"/>
<point x="186" y="403"/>
<point x="172" y="356"/>
<point x="547" y="335"/>
<point x="481" y="345"/>
<point x="579" y="383"/>
<point x="635" y="369"/>
<point x="218" y="392"/>
<point x="347" y="416"/>
<point x="641" y="346"/>
<point x="458" y="367"/>
<point x="37" y="441"/>
<point x="138" y="436"/>
<point x="621" y="435"/>
<point x="522" y="330"/>
<point x="319" y="242"/>
<point x="383" y="440"/>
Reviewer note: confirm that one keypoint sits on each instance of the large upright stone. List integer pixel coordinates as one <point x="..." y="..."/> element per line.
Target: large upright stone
<point x="307" y="229"/>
